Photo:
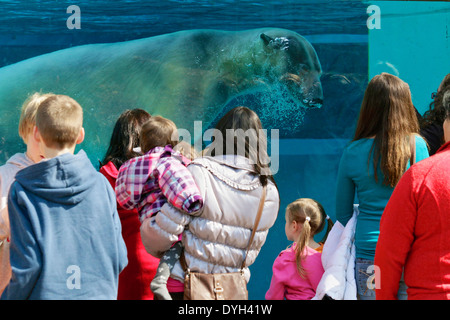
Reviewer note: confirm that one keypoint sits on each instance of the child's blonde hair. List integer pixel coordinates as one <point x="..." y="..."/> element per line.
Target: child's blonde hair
<point x="311" y="214"/>
<point x="59" y="119"/>
<point x="186" y="150"/>
<point x="158" y="132"/>
<point x="27" y="119"/>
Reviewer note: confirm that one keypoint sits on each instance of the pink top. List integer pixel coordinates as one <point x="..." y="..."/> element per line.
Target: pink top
<point x="286" y="281"/>
<point x="174" y="285"/>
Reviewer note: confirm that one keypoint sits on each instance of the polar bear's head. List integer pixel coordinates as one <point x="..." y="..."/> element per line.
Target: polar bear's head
<point x="293" y="62"/>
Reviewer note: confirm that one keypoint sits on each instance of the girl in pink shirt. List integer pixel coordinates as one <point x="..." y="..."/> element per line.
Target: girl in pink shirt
<point x="298" y="269"/>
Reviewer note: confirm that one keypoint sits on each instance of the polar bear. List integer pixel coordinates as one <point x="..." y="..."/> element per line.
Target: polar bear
<point x="184" y="76"/>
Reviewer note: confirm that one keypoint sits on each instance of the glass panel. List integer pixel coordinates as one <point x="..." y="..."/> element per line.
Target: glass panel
<point x="111" y="56"/>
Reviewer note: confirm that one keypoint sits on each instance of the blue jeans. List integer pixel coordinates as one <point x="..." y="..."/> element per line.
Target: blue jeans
<point x="364" y="269"/>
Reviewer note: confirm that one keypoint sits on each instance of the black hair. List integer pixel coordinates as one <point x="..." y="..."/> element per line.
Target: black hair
<point x="125" y="137"/>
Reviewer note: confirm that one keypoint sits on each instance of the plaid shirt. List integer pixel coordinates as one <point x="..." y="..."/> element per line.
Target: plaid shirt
<point x="149" y="181"/>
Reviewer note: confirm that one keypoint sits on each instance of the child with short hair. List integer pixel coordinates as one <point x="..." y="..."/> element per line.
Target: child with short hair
<point x="7" y="173"/>
<point x="66" y="240"/>
<point x="159" y="176"/>
<point x="298" y="269"/>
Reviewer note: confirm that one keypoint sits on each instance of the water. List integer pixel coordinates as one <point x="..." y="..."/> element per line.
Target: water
<point x="42" y="24"/>
<point x="312" y="142"/>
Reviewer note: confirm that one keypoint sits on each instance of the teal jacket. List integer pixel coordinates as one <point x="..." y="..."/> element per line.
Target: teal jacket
<point x="356" y="184"/>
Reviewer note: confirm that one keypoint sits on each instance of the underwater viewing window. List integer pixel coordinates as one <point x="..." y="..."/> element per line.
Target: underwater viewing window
<point x="302" y="65"/>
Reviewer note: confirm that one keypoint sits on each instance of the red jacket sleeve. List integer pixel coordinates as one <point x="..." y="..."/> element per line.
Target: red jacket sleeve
<point x="395" y="238"/>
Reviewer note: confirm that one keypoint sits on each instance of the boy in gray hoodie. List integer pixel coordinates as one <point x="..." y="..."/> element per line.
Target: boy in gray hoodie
<point x="66" y="240"/>
<point x="8" y="171"/>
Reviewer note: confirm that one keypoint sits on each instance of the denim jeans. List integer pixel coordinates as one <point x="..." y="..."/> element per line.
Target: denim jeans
<point x="366" y="289"/>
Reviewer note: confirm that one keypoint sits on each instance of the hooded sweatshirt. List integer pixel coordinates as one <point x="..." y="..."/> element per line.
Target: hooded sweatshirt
<point x="66" y="240"/>
<point x="7" y="173"/>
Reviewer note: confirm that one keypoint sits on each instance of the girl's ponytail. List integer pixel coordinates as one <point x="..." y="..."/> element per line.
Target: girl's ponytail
<point x="301" y="244"/>
<point x="311" y="214"/>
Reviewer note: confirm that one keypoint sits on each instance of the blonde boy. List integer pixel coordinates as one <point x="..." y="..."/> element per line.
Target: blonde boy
<point x="66" y="240"/>
<point x="59" y="126"/>
<point x="8" y="171"/>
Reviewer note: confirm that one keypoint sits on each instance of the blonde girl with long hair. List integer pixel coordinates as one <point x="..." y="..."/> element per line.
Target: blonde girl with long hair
<point x="298" y="269"/>
<point x="385" y="145"/>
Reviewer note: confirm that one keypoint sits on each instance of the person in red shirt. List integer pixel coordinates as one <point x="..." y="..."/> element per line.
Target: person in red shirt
<point x="415" y="229"/>
<point x="134" y="280"/>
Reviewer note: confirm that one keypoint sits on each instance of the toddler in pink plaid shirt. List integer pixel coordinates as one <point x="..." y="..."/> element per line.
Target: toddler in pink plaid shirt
<point x="149" y="181"/>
